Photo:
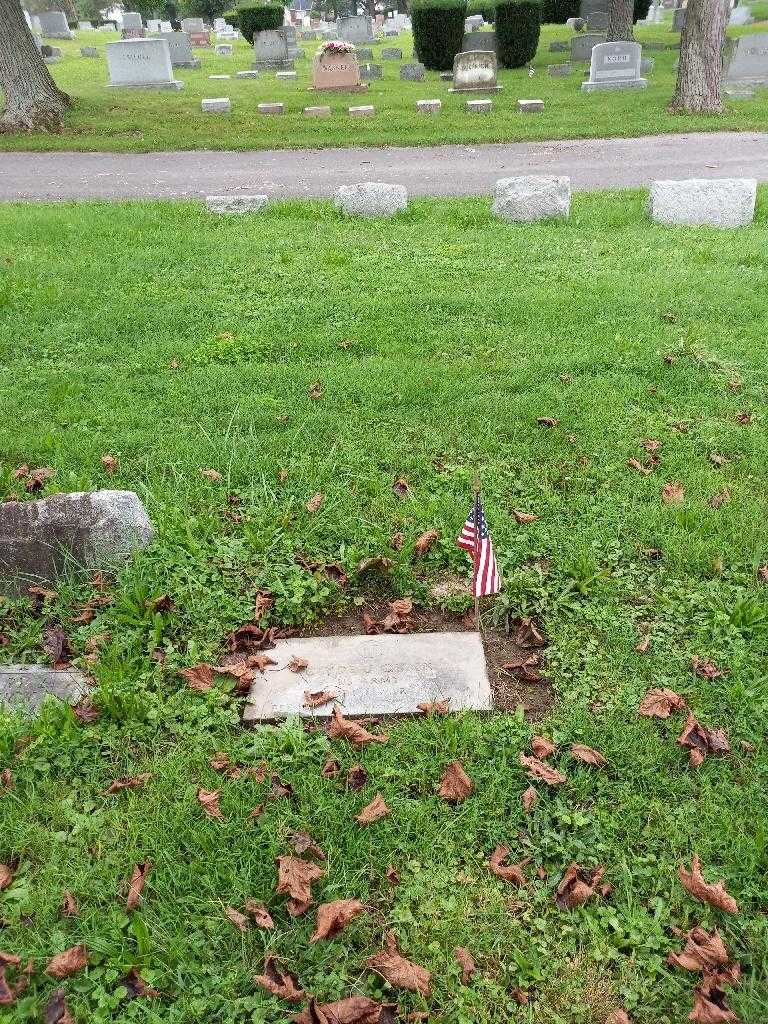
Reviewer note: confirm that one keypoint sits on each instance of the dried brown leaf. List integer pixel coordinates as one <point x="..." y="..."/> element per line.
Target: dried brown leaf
<point x="703" y="951"/>
<point x="199" y="677"/>
<point x="209" y="801"/>
<point x="136" y="884"/>
<point x="356" y="734"/>
<point x="353" y="1010"/>
<point x="588" y="755"/>
<point x="399" y="972"/>
<point x="6" y="876"/>
<point x="315" y="502"/>
<point x="357" y="777"/>
<point x="424" y="543"/>
<point x="466" y="962"/>
<point x="712" y="893"/>
<point x="211" y="474"/>
<point x="435" y="707"/>
<point x="542" y="747"/>
<point x="334" y="917"/>
<point x="280" y="983"/>
<point x="297" y="664"/>
<point x="509" y="872"/>
<point x="261" y="916"/>
<point x="240" y="921"/>
<point x="529" y="798"/>
<point x="541" y="770"/>
<point x="524" y="517"/>
<point x="577" y="885"/>
<point x="56" y="1010"/>
<point x="68" y="906"/>
<point x="375" y="810"/>
<point x="69" y="962"/>
<point x="673" y="493"/>
<point x="660" y="703"/>
<point x="455" y="784"/>
<point x="318" y="698"/>
<point x="302" y="842"/>
<point x="295" y="877"/>
<point x="128" y="782"/>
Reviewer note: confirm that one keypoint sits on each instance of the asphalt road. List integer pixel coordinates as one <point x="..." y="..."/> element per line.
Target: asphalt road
<point x="425" y="171"/>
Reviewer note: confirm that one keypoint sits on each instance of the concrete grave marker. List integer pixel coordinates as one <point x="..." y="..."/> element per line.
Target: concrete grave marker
<point x="597" y="22"/>
<point x="153" y="24"/>
<point x="371" y="199"/>
<point x="749" y="61"/>
<point x="475" y="71"/>
<point x="581" y="46"/>
<point x="89" y="51"/>
<point x="412" y="72"/>
<point x="200" y="40"/>
<point x="718" y="202"/>
<point x="588" y="7"/>
<point x="140" y="64"/>
<point x="615" y="66"/>
<point x="53" y="25"/>
<point x="216" y="105"/>
<point x="355" y="30"/>
<point x="82" y="26"/>
<point x="373" y="675"/>
<point x="180" y="50"/>
<point x="532" y="197"/>
<point x="192" y="25"/>
<point x="559" y="70"/>
<point x="270" y="51"/>
<point x="26" y="686"/>
<point x="371" y="72"/>
<point x="390" y="53"/>
<point x="224" y="49"/>
<point x="132" y="19"/>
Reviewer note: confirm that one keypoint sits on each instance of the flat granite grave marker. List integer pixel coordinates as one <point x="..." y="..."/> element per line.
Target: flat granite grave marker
<point x="390" y="53"/>
<point x="615" y="66"/>
<point x="27" y="686"/>
<point x="412" y="72"/>
<point x="373" y="675"/>
<point x="371" y="72"/>
<point x="749" y="61"/>
<point x="53" y="25"/>
<point x="140" y="64"/>
<point x="475" y="71"/>
<point x="717" y="202"/>
<point x="270" y="51"/>
<point x="180" y="50"/>
<point x="89" y="51"/>
<point x="581" y="46"/>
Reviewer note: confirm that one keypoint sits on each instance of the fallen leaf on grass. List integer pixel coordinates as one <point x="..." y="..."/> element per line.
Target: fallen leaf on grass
<point x="128" y="782"/>
<point x="136" y="986"/>
<point x="673" y="493"/>
<point x="721" y="498"/>
<point x="199" y="677"/>
<point x="356" y="734"/>
<point x="577" y="885"/>
<point x="68" y="906"/>
<point x="315" y="502"/>
<point x="703" y="951"/>
<point x="6" y="876"/>
<point x="701" y="741"/>
<point x="109" y="462"/>
<point x="279" y="788"/>
<point x="56" y="1010"/>
<point x="318" y="698"/>
<point x="316" y="390"/>
<point x="209" y="801"/>
<point x="528" y="634"/>
<point x="36" y="478"/>
<point x="636" y="464"/>
<point x="524" y="517"/>
<point x="211" y="474"/>
<point x="331" y="769"/>
<point x="455" y="784"/>
<point x="334" y="917"/>
<point x="712" y="893"/>
<point x="257" y="811"/>
<point x="542" y="747"/>
<point x="642" y="645"/>
<point x="707" y="669"/>
<point x="588" y="755"/>
<point x="240" y="921"/>
<point x="69" y="962"/>
<point x="302" y="842"/>
<point x="424" y="543"/>
<point x="509" y="872"/>
<point x="397" y="540"/>
<point x="392" y="876"/>
<point x="375" y="810"/>
<point x="466" y="962"/>
<point x="660" y="703"/>
<point x="435" y="707"/>
<point x="135" y="886"/>
<point x="86" y="712"/>
<point x="529" y="798"/>
<point x="56" y="646"/>
<point x="261" y="916"/>
<point x="541" y="770"/>
<point x="547" y="421"/>
<point x="378" y="563"/>
<point x="357" y="777"/>
<point x="280" y="983"/>
<point x="710" y="1004"/>
<point x="401" y="487"/>
<point x="399" y="972"/>
<point x="618" y="1017"/>
<point x="297" y="664"/>
<point x="295" y="877"/>
<point x="353" y="1010"/>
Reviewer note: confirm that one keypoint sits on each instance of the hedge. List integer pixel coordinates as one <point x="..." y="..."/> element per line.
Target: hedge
<point x="253" y="18"/>
<point x="438" y="31"/>
<point x="518" y="25"/>
<point x="233" y="17"/>
<point x="557" y="12"/>
<point x="485" y="7"/>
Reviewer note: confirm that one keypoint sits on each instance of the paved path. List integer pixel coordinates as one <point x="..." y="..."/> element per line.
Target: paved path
<point x="429" y="170"/>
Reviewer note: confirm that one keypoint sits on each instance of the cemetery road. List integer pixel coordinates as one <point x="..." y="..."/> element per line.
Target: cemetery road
<point x="425" y="171"/>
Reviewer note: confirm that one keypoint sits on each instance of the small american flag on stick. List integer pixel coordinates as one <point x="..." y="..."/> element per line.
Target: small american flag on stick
<point x="476" y="539"/>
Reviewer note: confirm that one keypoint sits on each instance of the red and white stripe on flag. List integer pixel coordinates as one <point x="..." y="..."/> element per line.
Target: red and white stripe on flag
<point x="476" y="539"/>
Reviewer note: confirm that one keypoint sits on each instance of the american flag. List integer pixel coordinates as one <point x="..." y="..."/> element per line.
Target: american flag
<point x="476" y="539"/>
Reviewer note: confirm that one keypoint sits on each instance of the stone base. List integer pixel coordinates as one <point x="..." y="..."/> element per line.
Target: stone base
<point x="273" y="65"/>
<point x="59" y="35"/>
<point x="485" y="88"/>
<point x="640" y="83"/>
<point x="147" y="85"/>
<point x="192" y="65"/>
<point x="363" y="87"/>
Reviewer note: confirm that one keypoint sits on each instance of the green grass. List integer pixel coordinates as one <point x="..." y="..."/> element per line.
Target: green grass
<point x="463" y="331"/>
<point x="142" y="120"/>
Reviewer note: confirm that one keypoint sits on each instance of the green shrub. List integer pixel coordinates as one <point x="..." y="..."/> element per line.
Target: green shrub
<point x="518" y="24"/>
<point x="233" y="17"/>
<point x="557" y="12"/>
<point x="485" y="7"/>
<point x="641" y="9"/>
<point x="253" y="18"/>
<point x="438" y="31"/>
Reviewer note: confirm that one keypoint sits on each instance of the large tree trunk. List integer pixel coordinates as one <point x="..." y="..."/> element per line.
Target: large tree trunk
<point x="700" y="72"/>
<point x="621" y="16"/>
<point x="32" y="101"/>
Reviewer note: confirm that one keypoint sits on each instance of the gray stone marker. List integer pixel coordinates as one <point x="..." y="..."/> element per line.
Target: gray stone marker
<point x="355" y="30"/>
<point x="216" y="105"/>
<point x="741" y="15"/>
<point x="89" y="51"/>
<point x="132" y="20"/>
<point x="390" y="53"/>
<point x="559" y="70"/>
<point x="475" y="71"/>
<point x="95" y="529"/>
<point x="192" y="25"/>
<point x="749" y="61"/>
<point x="290" y="41"/>
<point x="373" y="675"/>
<point x="364" y="53"/>
<point x="371" y="72"/>
<point x="678" y="20"/>
<point x="53" y="25"/>
<point x="581" y="46"/>
<point x="83" y="26"/>
<point x="180" y="49"/>
<point x="27" y="686"/>
<point x="646" y="65"/>
<point x="532" y="197"/>
<point x="588" y="7"/>
<point x="479" y="41"/>
<point x="615" y="66"/>
<point x="718" y="202"/>
<point x="140" y="64"/>
<point x="412" y="72"/>
<point x="270" y="51"/>
<point x="558" y="46"/>
<point x="371" y="199"/>
<point x="597" y="22"/>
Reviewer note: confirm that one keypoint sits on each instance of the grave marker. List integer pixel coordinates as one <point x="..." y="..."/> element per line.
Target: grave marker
<point x="475" y="71"/>
<point x="270" y="51"/>
<point x="336" y="70"/>
<point x="412" y="72"/>
<point x="355" y="30"/>
<point x="749" y="61"/>
<point x="140" y="64"/>
<point x="581" y="46"/>
<point x="53" y="25"/>
<point x="180" y="50"/>
<point x="479" y="41"/>
<point x="615" y="66"/>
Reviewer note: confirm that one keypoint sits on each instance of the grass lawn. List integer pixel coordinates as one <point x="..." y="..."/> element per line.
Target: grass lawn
<point x="175" y="341"/>
<point x="142" y="120"/>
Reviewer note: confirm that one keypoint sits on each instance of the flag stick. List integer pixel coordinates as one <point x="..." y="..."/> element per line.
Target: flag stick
<point x="476" y="487"/>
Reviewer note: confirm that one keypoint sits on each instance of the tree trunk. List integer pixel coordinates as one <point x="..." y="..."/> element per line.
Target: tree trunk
<point x="700" y="72"/>
<point x="32" y="101"/>
<point x="621" y="16"/>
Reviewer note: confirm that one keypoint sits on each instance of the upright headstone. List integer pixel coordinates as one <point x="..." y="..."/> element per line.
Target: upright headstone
<point x="475" y="71"/>
<point x="270" y="51"/>
<point x="479" y="41"/>
<point x="219" y="24"/>
<point x="290" y="40"/>
<point x="581" y="46"/>
<point x="140" y="64"/>
<point x="748" y="64"/>
<point x="355" y="30"/>
<point x="588" y="7"/>
<point x="336" y="71"/>
<point x="192" y="25"/>
<point x="615" y="66"/>
<point x="200" y="40"/>
<point x="53" y="25"/>
<point x="741" y="15"/>
<point x="180" y="50"/>
<point x="83" y="26"/>
<point x="166" y="26"/>
<point x="132" y="19"/>
<point x="597" y="22"/>
<point x="678" y="20"/>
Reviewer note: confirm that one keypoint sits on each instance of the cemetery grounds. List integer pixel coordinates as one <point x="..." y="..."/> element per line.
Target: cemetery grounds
<point x="105" y="119"/>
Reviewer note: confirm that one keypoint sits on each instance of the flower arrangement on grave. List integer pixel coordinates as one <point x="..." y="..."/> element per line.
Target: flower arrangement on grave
<point x="336" y="46"/>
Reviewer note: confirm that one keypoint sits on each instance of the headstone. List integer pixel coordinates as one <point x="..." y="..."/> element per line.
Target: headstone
<point x="216" y="105"/>
<point x="247" y="74"/>
<point x="270" y="51"/>
<point x="479" y="41"/>
<point x="647" y="65"/>
<point x="95" y="529"/>
<point x="132" y="19"/>
<point x="364" y="54"/>
<point x="166" y="26"/>
<point x="219" y="24"/>
<point x="597" y="22"/>
<point x="479" y="106"/>
<point x="153" y="24"/>
<point x="373" y="675"/>
<point x="271" y="108"/>
<point x="390" y="53"/>
<point x="316" y="111"/>
<point x="530" y="106"/>
<point x="559" y="70"/>
<point x="475" y="71"/>
<point x="741" y="15"/>
<point x="364" y="111"/>
<point x="371" y="72"/>
<point x="200" y="40"/>
<point x="581" y="46"/>
<point x="678" y="20"/>
<point x="224" y="49"/>
<point x="89" y="51"/>
<point x="180" y="50"/>
<point x="140" y="64"/>
<point x="218" y="78"/>
<point x="53" y="25"/>
<point x="615" y="66"/>
<point x="26" y="686"/>
<point x="286" y="76"/>
<point x="532" y="197"/>
<point x="429" y="106"/>
<point x="412" y="72"/>
<point x="336" y="71"/>
<point x="83" y="26"/>
<point x="719" y="202"/>
<point x="290" y="38"/>
<point x="577" y="24"/>
<point x="133" y="33"/>
<point x="748" y="64"/>
<point x="559" y="46"/>
<point x="588" y="7"/>
<point x="192" y="25"/>
<point x="371" y="199"/>
<point x="355" y="30"/>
